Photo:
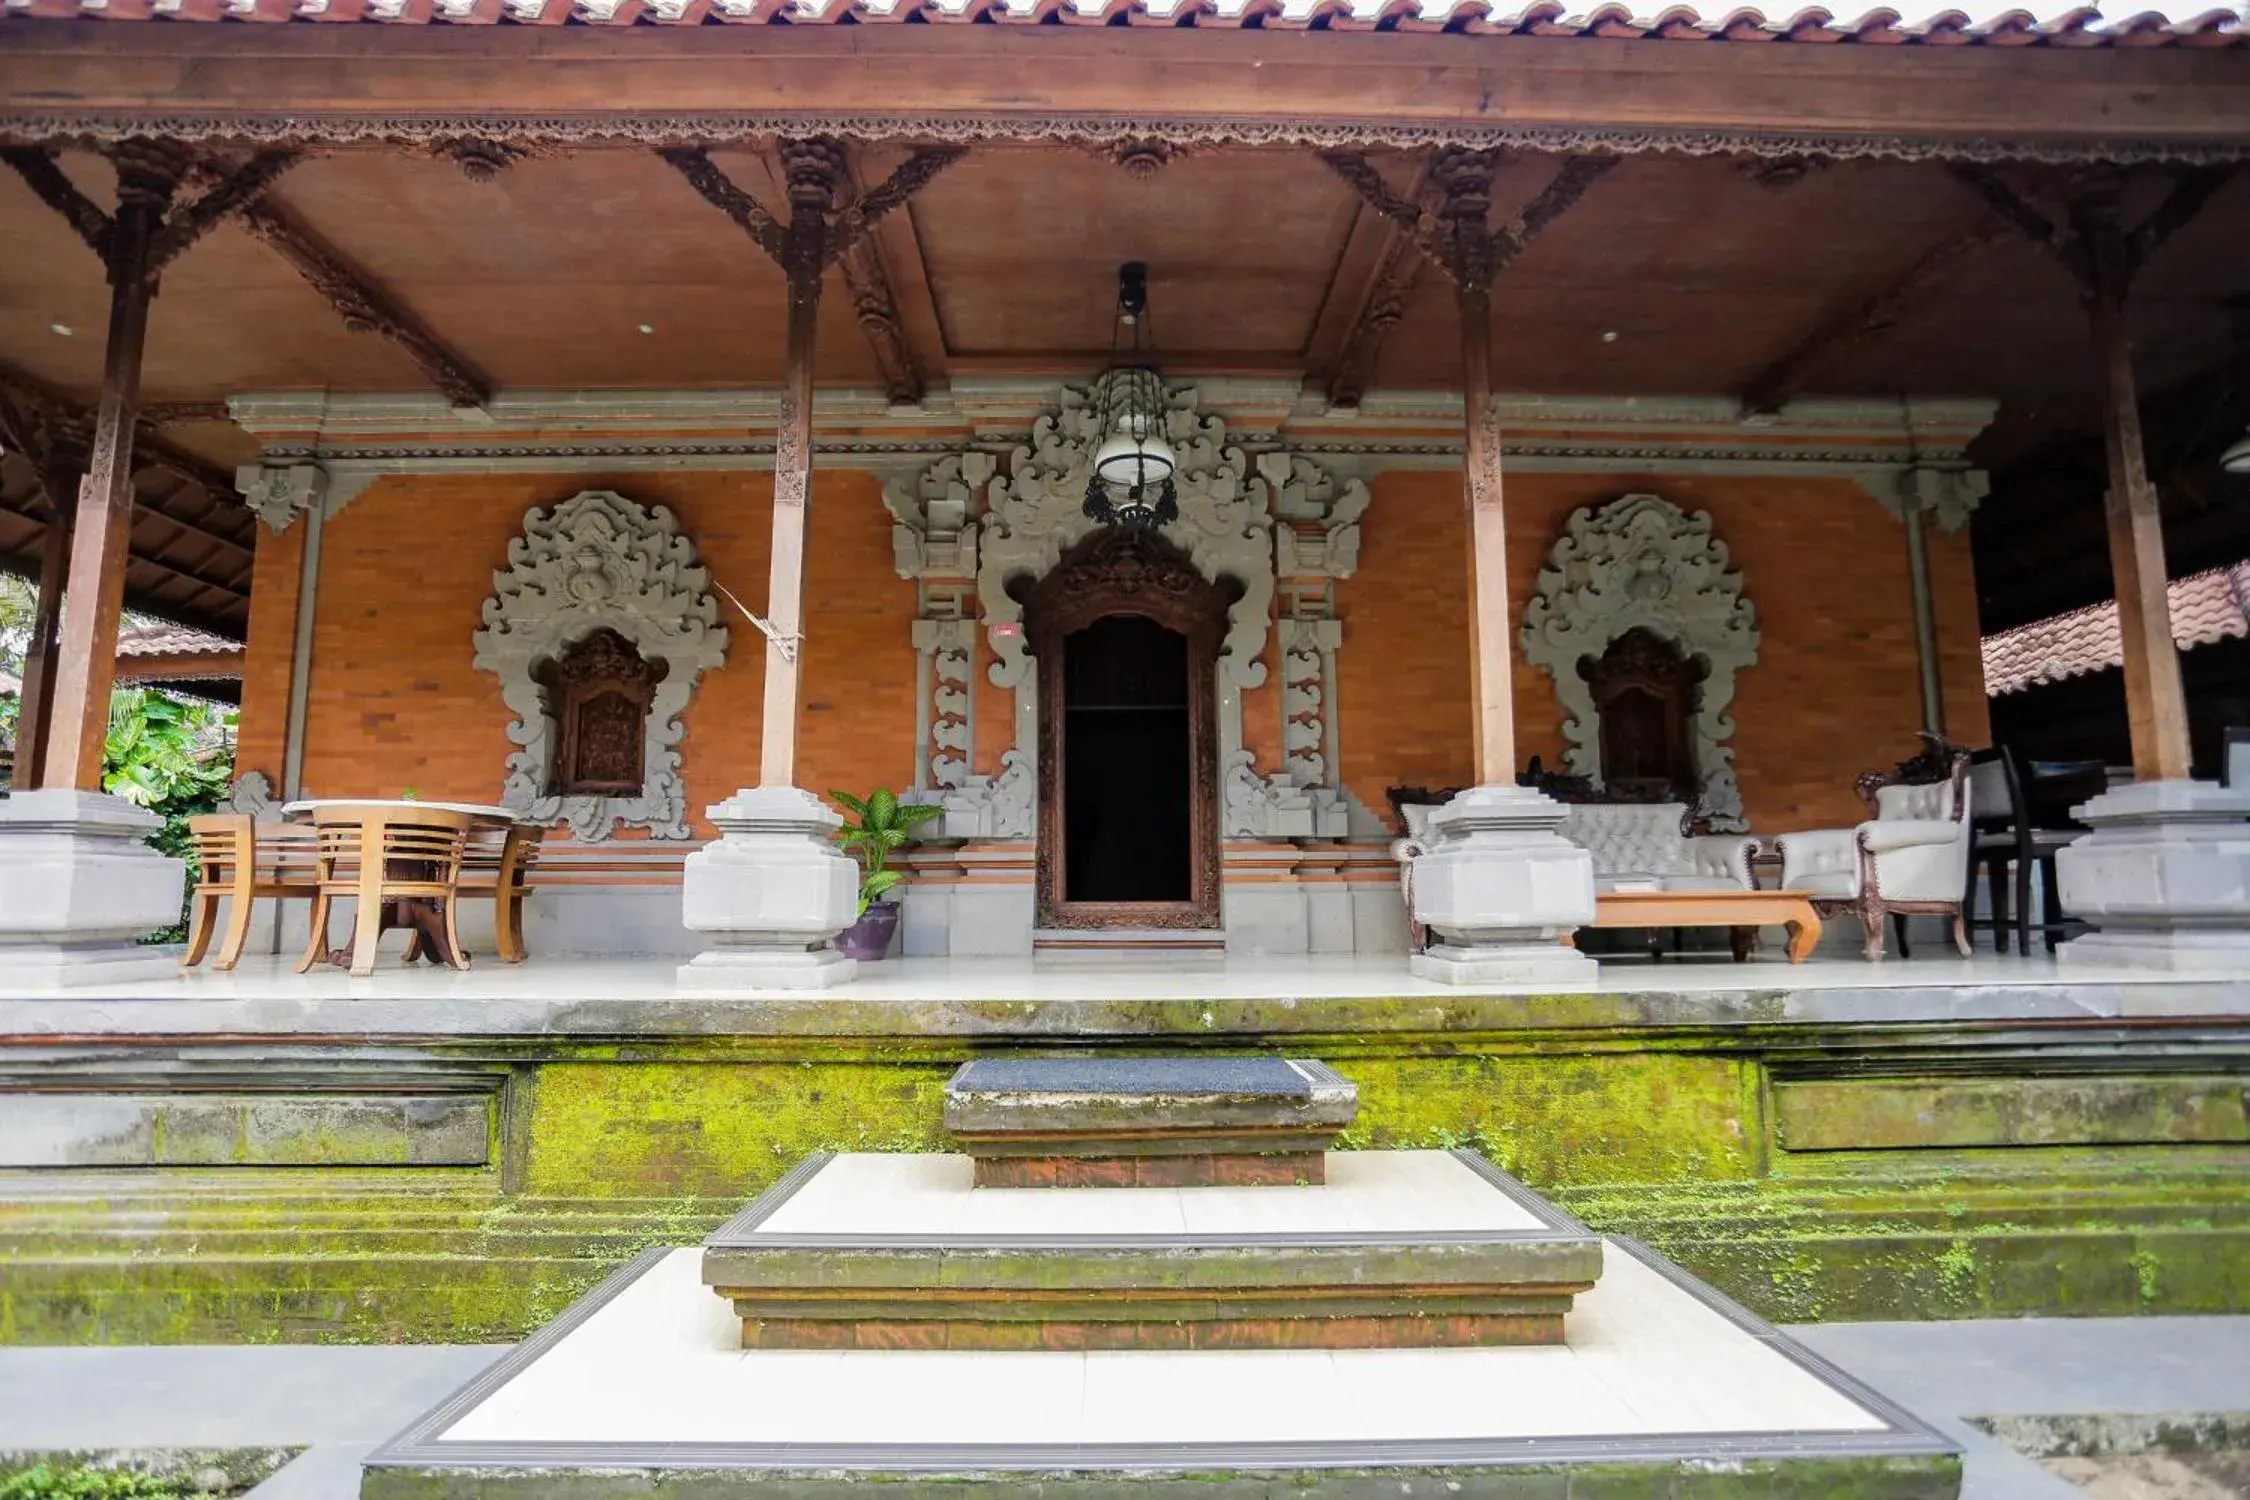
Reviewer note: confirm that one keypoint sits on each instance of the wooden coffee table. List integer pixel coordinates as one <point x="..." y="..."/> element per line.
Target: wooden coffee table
<point x="1743" y="912"/>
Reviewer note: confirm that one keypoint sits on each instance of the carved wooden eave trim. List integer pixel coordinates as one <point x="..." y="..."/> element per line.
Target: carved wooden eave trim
<point x="66" y="126"/>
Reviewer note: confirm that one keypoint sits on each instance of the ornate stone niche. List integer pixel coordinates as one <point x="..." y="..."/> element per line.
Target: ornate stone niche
<point x="600" y="564"/>
<point x="598" y="694"/>
<point x="1264" y="521"/>
<point x="1640" y="563"/>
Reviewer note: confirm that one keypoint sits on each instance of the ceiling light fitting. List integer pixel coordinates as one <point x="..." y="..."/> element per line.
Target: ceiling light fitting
<point x="1131" y="480"/>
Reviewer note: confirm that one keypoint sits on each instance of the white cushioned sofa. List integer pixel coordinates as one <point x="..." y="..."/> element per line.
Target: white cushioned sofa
<point x="1639" y="844"/>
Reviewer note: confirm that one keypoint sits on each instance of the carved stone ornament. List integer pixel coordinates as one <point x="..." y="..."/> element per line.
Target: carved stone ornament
<point x="599" y="561"/>
<point x="1035" y="516"/>
<point x="1642" y="562"/>
<point x="252" y="793"/>
<point x="1005" y="806"/>
<point x="279" y="493"/>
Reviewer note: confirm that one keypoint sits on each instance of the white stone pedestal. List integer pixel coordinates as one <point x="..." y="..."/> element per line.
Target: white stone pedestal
<point x="769" y="894"/>
<point x="2164" y="878"/>
<point x="78" y="888"/>
<point x="1500" y="890"/>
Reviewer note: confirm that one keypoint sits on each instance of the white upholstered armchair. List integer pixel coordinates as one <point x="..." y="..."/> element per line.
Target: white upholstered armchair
<point x="1910" y="857"/>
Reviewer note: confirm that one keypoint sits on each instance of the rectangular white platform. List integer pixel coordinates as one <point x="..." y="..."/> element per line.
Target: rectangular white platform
<point x="647" y="1372"/>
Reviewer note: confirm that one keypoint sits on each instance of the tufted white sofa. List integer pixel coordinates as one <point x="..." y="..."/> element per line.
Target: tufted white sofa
<point x="1912" y="856"/>
<point x="1631" y="842"/>
<point x="1638" y="843"/>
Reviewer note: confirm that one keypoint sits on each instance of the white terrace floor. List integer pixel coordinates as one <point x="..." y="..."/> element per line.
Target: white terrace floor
<point x="1116" y="996"/>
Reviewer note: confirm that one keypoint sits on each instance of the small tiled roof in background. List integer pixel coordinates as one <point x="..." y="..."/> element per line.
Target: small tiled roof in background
<point x="2048" y="24"/>
<point x="152" y="638"/>
<point x="2206" y="607"/>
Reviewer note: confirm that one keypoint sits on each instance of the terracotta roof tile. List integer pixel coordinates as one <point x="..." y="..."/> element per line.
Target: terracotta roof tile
<point x="2205" y="607"/>
<point x="2056" y="23"/>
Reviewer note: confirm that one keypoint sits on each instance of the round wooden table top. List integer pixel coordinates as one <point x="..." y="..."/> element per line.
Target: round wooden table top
<point x="481" y="810"/>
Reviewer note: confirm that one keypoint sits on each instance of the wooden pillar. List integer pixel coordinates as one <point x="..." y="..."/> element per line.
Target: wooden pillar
<point x="101" y="532"/>
<point x="1493" y="714"/>
<point x="816" y="171"/>
<point x="2155" y="705"/>
<point x="42" y="654"/>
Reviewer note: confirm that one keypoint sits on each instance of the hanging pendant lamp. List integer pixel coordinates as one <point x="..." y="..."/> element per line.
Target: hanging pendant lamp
<point x="1130" y="483"/>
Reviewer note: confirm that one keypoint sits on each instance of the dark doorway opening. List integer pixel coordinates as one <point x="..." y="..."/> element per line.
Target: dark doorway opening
<point x="1127" y="763"/>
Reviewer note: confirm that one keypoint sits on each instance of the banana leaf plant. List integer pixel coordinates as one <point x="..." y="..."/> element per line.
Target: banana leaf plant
<point x="880" y="825"/>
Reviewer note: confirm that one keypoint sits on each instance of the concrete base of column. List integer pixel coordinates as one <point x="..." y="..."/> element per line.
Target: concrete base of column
<point x="79" y="887"/>
<point x="1501" y="890"/>
<point x="770" y="894"/>
<point x="2164" y="878"/>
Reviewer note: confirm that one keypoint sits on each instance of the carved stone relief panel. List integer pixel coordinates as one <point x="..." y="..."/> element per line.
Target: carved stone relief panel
<point x="1640" y="562"/>
<point x="599" y="562"/>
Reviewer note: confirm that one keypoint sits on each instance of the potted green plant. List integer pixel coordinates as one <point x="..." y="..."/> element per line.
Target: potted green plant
<point x="880" y="825"/>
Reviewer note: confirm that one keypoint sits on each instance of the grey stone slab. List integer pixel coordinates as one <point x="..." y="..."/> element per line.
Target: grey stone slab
<point x="1179" y="1077"/>
<point x="326" y="1471"/>
<point x="214" y="1129"/>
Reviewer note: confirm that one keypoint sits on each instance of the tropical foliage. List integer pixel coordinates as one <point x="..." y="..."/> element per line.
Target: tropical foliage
<point x="880" y="826"/>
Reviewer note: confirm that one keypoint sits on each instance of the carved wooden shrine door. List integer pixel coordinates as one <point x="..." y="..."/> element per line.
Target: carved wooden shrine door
<point x="1126" y="634"/>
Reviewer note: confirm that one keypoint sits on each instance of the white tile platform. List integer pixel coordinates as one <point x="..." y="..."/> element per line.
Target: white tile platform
<point x="1383" y="1192"/>
<point x="661" y="1364"/>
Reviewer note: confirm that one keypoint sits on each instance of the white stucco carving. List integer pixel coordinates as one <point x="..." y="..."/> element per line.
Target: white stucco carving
<point x="279" y="493"/>
<point x="252" y="793"/>
<point x="947" y="727"/>
<point x="996" y="807"/>
<point x="1274" y="807"/>
<point x="1641" y="561"/>
<point x="935" y="515"/>
<point x="1308" y="649"/>
<point x="599" y="560"/>
<point x="1035" y="516"/>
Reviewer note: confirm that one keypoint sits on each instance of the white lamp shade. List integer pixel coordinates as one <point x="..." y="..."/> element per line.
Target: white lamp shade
<point x="2236" y="460"/>
<point x="1128" y="461"/>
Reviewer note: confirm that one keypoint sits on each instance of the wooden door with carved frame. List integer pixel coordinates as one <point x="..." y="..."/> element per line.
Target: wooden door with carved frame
<point x="1132" y="574"/>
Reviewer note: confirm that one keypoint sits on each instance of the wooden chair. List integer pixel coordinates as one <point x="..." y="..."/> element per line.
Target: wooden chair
<point x="377" y="854"/>
<point x="499" y="865"/>
<point x="239" y="860"/>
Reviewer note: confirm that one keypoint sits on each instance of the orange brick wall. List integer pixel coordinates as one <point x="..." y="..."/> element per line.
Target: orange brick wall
<point x="397" y="702"/>
<point x="405" y="568"/>
<point x="1834" y="691"/>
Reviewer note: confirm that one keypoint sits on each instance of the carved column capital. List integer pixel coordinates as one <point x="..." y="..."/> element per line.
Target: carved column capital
<point x="279" y="493"/>
<point x="1948" y="496"/>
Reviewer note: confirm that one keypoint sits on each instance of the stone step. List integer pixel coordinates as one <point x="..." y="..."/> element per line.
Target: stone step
<point x="1147" y="1121"/>
<point x="1401" y="1249"/>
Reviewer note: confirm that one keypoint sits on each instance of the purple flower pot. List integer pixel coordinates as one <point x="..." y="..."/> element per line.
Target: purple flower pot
<point x="869" y="938"/>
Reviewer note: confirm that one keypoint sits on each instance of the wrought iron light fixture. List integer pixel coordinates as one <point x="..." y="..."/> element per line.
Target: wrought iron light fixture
<point x="1131" y="482"/>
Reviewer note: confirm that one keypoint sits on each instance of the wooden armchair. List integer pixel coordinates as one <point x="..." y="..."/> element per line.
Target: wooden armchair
<point x="1911" y="856"/>
<point x="498" y="866"/>
<point x="238" y="860"/>
<point x="376" y="854"/>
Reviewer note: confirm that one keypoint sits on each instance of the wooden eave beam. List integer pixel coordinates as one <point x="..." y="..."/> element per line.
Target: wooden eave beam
<point x="149" y="446"/>
<point x="309" y="79"/>
<point x="363" y="305"/>
<point x="1381" y="300"/>
<point x="867" y="276"/>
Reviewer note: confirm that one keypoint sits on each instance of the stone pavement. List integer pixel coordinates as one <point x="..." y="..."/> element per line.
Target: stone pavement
<point x="339" y="1401"/>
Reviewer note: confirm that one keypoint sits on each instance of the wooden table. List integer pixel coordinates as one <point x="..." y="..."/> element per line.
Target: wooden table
<point x="1742" y="912"/>
<point x="420" y="916"/>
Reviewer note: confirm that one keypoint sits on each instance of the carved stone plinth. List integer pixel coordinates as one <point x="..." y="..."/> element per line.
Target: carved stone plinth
<point x="770" y="893"/>
<point x="79" y="888"/>
<point x="2164" y="878"/>
<point x="1500" y="890"/>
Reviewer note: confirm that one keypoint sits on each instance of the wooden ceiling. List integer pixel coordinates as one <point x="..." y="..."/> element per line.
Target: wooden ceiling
<point x="1708" y="271"/>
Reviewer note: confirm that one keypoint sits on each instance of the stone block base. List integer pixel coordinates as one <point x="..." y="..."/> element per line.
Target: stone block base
<point x="1509" y="963"/>
<point x="2176" y="952"/>
<point x="1420" y="1330"/>
<point x="79" y="886"/>
<point x="1205" y="1169"/>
